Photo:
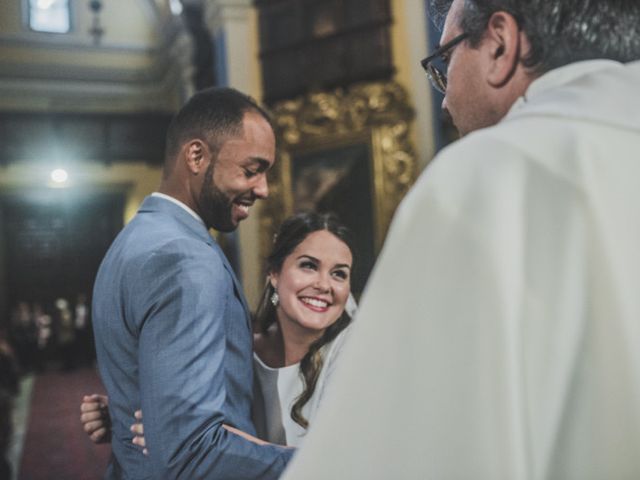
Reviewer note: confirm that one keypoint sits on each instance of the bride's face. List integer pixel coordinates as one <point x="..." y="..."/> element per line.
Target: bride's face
<point x="314" y="282"/>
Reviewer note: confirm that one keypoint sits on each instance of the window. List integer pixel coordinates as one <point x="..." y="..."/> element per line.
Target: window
<point x="49" y="16"/>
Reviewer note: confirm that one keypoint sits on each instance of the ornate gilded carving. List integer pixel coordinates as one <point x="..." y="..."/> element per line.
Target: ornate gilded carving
<point x="376" y="114"/>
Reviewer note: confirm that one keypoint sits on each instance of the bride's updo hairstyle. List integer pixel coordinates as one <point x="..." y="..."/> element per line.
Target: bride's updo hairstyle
<point x="292" y="233"/>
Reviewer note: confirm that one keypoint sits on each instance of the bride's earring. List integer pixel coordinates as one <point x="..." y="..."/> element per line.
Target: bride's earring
<point x="275" y="298"/>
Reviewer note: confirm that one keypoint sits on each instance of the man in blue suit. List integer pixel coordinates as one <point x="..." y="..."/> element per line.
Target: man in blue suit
<point x="172" y="327"/>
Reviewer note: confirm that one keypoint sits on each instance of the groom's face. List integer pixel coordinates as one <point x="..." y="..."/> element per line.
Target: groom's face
<point x="237" y="177"/>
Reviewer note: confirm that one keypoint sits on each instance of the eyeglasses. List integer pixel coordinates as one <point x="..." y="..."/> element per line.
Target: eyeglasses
<point x="435" y="65"/>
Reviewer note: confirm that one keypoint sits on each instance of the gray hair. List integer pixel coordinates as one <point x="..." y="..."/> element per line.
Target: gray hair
<point x="559" y="31"/>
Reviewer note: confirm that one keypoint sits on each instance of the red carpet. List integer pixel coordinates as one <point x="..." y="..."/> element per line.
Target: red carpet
<point x="55" y="446"/>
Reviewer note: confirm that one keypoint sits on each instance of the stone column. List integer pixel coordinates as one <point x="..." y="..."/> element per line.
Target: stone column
<point x="410" y="45"/>
<point x="234" y="30"/>
<point x="181" y="53"/>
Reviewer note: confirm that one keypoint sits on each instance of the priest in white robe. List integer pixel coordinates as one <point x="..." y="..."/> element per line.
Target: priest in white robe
<point x="499" y="336"/>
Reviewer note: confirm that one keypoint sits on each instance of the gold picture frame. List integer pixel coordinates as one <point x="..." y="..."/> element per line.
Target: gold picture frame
<point x="354" y="141"/>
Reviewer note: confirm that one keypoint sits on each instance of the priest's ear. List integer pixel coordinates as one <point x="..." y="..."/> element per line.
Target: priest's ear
<point x="505" y="44"/>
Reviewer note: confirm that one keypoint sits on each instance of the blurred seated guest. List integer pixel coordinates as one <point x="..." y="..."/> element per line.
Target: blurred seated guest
<point x="83" y="336"/>
<point x="302" y="326"/>
<point x="6" y="406"/>
<point x="65" y="333"/>
<point x="8" y="389"/>
<point x="44" y="336"/>
<point x="8" y="367"/>
<point x="23" y="335"/>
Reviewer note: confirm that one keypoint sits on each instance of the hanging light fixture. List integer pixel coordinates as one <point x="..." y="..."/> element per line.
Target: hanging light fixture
<point x="59" y="176"/>
<point x="176" y="7"/>
<point x="96" y="29"/>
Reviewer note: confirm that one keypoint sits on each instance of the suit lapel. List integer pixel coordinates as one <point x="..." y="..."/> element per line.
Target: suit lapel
<point x="236" y="283"/>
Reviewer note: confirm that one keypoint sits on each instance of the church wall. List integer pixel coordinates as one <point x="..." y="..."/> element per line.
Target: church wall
<point x="410" y="45"/>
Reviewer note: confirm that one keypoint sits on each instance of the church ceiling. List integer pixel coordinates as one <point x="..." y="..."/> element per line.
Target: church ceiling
<point x="131" y="67"/>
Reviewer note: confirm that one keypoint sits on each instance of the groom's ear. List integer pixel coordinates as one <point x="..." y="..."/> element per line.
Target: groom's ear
<point x="197" y="155"/>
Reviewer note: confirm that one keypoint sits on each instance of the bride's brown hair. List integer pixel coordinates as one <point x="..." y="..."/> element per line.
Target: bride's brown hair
<point x="292" y="233"/>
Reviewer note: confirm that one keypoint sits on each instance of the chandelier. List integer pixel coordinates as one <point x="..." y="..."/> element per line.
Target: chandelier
<point x="96" y="29"/>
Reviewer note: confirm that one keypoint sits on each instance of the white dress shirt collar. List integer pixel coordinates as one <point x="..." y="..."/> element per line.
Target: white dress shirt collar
<point x="180" y="204"/>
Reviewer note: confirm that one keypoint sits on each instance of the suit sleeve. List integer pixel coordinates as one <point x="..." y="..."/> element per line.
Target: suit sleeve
<point x="182" y="347"/>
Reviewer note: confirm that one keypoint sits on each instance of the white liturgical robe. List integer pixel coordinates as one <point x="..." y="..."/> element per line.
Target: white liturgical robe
<point x="499" y="336"/>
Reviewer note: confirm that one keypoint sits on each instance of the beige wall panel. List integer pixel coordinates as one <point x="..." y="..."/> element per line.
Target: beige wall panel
<point x="27" y="55"/>
<point x="10" y="17"/>
<point x="410" y="45"/>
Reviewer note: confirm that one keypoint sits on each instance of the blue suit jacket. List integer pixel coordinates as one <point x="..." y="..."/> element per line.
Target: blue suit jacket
<point x="173" y="337"/>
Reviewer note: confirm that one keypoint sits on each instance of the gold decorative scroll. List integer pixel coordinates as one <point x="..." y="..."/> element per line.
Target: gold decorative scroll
<point x="377" y="114"/>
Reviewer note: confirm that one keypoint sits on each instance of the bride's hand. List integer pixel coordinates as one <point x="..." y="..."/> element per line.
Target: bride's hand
<point x="94" y="415"/>
<point x="138" y="431"/>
